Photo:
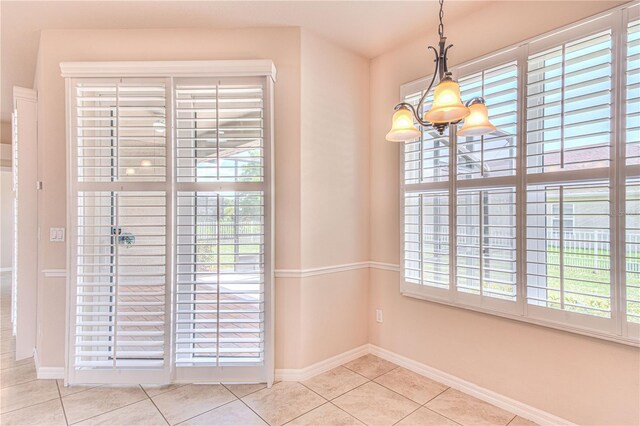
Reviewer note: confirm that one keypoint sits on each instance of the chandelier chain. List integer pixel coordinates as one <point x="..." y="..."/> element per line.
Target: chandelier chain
<point x="441" y="15"/>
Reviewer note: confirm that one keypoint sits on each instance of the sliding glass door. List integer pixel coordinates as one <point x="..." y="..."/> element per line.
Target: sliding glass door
<point x="170" y="230"/>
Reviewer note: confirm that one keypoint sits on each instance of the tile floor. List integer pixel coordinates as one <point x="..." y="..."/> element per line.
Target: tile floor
<point x="368" y="390"/>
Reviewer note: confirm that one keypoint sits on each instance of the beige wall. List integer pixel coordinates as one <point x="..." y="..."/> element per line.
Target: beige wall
<point x="584" y="380"/>
<point x="333" y="214"/>
<point x="335" y="154"/>
<point x="335" y="198"/>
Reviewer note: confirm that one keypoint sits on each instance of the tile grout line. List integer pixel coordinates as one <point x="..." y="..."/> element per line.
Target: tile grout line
<point x="359" y="386"/>
<point x="21" y="383"/>
<point x="346" y="392"/>
<point x="348" y="413"/>
<point x="308" y="411"/>
<point x="166" y="390"/>
<point x="106" y="412"/>
<point x="510" y="421"/>
<point x="252" y="410"/>
<point x="397" y="393"/>
<point x="154" y="403"/>
<point x="297" y="417"/>
<point x="401" y="419"/>
<point x="208" y="411"/>
<point x="439" y="413"/>
<point x="421" y="406"/>
<point x="64" y="412"/>
<point x="258" y="390"/>
<point x="91" y="386"/>
<point x="28" y="406"/>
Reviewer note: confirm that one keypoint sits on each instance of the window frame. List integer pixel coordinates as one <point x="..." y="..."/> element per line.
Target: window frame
<point x="617" y="328"/>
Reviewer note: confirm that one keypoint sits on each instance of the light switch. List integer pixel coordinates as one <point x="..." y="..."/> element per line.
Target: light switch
<point x="56" y="234"/>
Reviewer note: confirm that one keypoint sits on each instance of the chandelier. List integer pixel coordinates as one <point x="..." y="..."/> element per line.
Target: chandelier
<point x="447" y="107"/>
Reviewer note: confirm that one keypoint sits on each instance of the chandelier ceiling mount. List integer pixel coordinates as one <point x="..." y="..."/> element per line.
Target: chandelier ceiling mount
<point x="447" y="108"/>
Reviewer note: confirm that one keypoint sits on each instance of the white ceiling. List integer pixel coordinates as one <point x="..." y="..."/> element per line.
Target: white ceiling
<point x="365" y="27"/>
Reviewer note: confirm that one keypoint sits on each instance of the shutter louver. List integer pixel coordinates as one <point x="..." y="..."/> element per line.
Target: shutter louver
<point x="569" y="106"/>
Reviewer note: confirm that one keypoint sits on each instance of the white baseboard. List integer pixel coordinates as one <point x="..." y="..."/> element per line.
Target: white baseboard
<point x="301" y="374"/>
<point x="47" y="373"/>
<point x="516" y="407"/>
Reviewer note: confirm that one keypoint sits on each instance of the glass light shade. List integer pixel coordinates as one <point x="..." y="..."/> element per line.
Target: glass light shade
<point x="447" y="106"/>
<point x="145" y="163"/>
<point x="477" y="123"/>
<point x="402" y="127"/>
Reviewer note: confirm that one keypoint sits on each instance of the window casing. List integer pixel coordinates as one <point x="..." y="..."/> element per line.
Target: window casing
<point x="526" y="222"/>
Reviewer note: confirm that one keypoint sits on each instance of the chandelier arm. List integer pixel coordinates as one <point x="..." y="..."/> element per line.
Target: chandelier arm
<point x="420" y="121"/>
<point x="445" y="67"/>
<point x="433" y="79"/>
<point x="476" y="100"/>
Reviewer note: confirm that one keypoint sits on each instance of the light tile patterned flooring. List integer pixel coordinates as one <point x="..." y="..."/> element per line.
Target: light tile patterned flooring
<point x="368" y="390"/>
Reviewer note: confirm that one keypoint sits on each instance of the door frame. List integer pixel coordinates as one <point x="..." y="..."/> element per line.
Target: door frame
<point x="170" y="70"/>
<point x="25" y="273"/>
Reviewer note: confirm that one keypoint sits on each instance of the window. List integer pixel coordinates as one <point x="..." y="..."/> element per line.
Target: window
<point x="170" y="226"/>
<point x="631" y="197"/>
<point x="524" y="223"/>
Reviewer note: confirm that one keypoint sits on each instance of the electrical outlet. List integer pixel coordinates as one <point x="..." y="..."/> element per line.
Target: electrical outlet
<point x="379" y="315"/>
<point x="56" y="234"/>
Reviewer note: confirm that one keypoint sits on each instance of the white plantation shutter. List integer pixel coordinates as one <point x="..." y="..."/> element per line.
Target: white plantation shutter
<point x="221" y="223"/>
<point x="569" y="106"/>
<point x="426" y="250"/>
<point x="478" y="254"/>
<point x="568" y="226"/>
<point x="120" y="270"/>
<point x="568" y="248"/>
<point x="632" y="92"/>
<point x="485" y="232"/>
<point x="426" y="239"/>
<point x="494" y="154"/>
<point x="220" y="265"/>
<point x="427" y="159"/>
<point x="121" y="131"/>
<point x="170" y="222"/>
<point x="121" y="282"/>
<point x="632" y="250"/>
<point x="486" y="242"/>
